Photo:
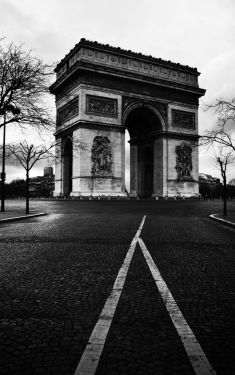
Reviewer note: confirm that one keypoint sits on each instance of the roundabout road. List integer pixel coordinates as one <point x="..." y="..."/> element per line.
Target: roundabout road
<point x="171" y="310"/>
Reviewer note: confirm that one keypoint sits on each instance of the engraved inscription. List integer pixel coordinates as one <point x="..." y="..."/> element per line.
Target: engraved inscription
<point x="183" y="119"/>
<point x="68" y="111"/>
<point x="183" y="161"/>
<point x="101" y="156"/>
<point x="101" y="106"/>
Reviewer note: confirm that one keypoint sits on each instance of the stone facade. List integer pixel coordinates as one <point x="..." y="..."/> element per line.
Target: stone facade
<point x="101" y="91"/>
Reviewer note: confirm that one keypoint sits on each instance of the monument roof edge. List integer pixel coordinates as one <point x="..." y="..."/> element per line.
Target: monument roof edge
<point x="195" y="89"/>
<point x="128" y="53"/>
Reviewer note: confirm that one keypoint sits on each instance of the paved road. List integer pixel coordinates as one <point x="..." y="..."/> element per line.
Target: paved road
<point x="57" y="272"/>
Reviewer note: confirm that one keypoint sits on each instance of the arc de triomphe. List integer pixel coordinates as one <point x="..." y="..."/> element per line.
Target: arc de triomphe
<point x="101" y="91"/>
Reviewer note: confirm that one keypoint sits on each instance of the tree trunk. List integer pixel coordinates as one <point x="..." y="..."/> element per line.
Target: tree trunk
<point x="225" y="197"/>
<point x="27" y="191"/>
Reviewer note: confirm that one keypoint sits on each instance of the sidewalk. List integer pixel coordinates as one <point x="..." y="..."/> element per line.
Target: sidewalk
<point x="229" y="219"/>
<point x="16" y="211"/>
<point x="12" y="216"/>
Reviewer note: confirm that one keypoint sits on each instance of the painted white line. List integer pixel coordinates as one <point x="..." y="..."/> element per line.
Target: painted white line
<point x="91" y="355"/>
<point x="222" y="221"/>
<point x="194" y="351"/>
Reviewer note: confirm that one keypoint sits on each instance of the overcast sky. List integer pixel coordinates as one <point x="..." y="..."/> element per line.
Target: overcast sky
<point x="198" y="33"/>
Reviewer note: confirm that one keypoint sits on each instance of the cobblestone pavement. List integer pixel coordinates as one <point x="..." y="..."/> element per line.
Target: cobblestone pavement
<point x="56" y="273"/>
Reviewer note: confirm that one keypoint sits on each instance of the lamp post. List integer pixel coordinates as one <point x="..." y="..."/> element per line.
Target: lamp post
<point x="15" y="111"/>
<point x="3" y="174"/>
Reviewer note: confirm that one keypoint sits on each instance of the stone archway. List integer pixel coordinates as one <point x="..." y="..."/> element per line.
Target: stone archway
<point x="67" y="167"/>
<point x="100" y="92"/>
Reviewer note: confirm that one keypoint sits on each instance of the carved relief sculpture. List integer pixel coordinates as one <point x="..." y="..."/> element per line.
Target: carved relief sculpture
<point x="183" y="119"/>
<point x="68" y="111"/>
<point x="101" y="156"/>
<point x="100" y="106"/>
<point x="183" y="161"/>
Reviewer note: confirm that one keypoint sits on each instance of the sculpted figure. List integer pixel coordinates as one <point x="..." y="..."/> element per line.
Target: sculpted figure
<point x="183" y="160"/>
<point x="101" y="156"/>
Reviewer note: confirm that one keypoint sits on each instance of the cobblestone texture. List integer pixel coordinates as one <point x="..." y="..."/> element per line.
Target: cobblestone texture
<point x="56" y="273"/>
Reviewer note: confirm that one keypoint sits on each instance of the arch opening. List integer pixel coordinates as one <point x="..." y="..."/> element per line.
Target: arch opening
<point x="147" y="173"/>
<point x="67" y="167"/>
<point x="143" y="125"/>
<point x="142" y="121"/>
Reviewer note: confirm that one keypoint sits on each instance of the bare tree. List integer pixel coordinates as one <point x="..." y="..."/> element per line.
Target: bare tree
<point x="223" y="133"/>
<point x="27" y="155"/>
<point x="223" y="158"/>
<point x="222" y="139"/>
<point x="224" y="108"/>
<point x="24" y="83"/>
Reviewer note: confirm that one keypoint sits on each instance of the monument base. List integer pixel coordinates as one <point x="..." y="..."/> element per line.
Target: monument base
<point x="98" y="194"/>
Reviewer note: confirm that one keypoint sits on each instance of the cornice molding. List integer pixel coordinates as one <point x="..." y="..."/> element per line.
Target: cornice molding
<point x="128" y="53"/>
<point x="140" y="78"/>
<point x="89" y="124"/>
<point x="116" y="61"/>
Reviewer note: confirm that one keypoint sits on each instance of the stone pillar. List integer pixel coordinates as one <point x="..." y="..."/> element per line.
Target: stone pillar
<point x="58" y="169"/>
<point x="165" y="161"/>
<point x="123" y="184"/>
<point x="133" y="170"/>
<point x="67" y="167"/>
<point x="186" y="186"/>
<point x="158" y="168"/>
<point x="89" y="182"/>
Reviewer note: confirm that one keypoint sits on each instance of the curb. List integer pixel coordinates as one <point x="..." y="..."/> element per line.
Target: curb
<point x="21" y="217"/>
<point x="222" y="221"/>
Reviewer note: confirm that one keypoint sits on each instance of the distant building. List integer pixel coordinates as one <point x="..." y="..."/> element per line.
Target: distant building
<point x="208" y="179"/>
<point x="42" y="186"/>
<point x="232" y="182"/>
<point x="209" y="186"/>
<point x="48" y="171"/>
<point x="231" y="188"/>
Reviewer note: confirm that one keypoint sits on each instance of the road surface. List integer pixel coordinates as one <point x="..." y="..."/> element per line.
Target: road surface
<point x="117" y="287"/>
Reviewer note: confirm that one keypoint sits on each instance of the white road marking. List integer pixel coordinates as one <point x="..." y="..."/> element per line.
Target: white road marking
<point x="194" y="351"/>
<point x="91" y="355"/>
<point x="222" y="221"/>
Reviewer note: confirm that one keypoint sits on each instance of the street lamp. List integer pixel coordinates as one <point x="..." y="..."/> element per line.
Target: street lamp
<point x="3" y="174"/>
<point x="15" y="111"/>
